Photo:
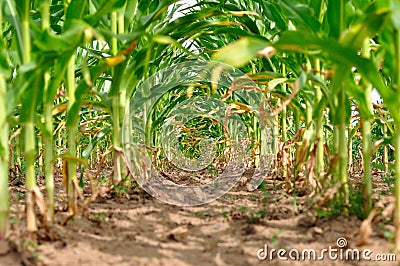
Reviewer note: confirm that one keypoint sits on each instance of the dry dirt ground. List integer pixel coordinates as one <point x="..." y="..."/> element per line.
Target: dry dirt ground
<point x="136" y="229"/>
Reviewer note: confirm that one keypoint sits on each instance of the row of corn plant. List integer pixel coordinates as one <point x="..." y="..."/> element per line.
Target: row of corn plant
<point x="64" y="63"/>
<point x="336" y="43"/>
<point x="57" y="54"/>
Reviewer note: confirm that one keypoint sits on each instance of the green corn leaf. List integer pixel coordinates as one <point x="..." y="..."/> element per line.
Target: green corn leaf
<point x="81" y="90"/>
<point x="293" y="103"/>
<point x="104" y="7"/>
<point x="344" y="56"/>
<point x="162" y="39"/>
<point x="318" y="108"/>
<point x="32" y="97"/>
<point x="103" y="133"/>
<point x="395" y="9"/>
<point x="59" y="72"/>
<point x="271" y="12"/>
<point x="317" y="8"/>
<point x="4" y="64"/>
<point x="371" y="25"/>
<point x="239" y="53"/>
<point x="145" y="21"/>
<point x="75" y="10"/>
<point x="58" y="44"/>
<point x="359" y="96"/>
<point x="148" y="6"/>
<point x="389" y="125"/>
<point x="187" y="23"/>
<point x="25" y="79"/>
<point x="116" y="82"/>
<point x="16" y="22"/>
<point x="301" y="15"/>
<point x="334" y="17"/>
<point x="369" y="71"/>
<point x="361" y="4"/>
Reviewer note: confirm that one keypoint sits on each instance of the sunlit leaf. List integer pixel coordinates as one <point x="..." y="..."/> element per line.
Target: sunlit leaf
<point x="239" y="53"/>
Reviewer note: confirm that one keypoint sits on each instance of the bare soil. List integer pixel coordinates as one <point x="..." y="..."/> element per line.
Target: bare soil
<point x="135" y="229"/>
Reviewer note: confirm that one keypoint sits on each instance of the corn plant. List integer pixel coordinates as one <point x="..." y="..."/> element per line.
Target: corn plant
<point x="390" y="93"/>
<point x="4" y="156"/>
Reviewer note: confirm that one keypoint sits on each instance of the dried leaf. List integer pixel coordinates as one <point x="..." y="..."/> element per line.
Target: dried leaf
<point x="267" y="52"/>
<point x="219" y="261"/>
<point x="366" y="229"/>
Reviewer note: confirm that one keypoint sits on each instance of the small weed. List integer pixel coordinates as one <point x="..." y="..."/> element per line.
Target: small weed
<point x="30" y="244"/>
<point x="99" y="215"/>
<point x="103" y="179"/>
<point x="275" y="239"/>
<point x="388" y="235"/>
<point x="243" y="209"/>
<point x="212" y="170"/>
<point x="230" y="197"/>
<point x="337" y="205"/>
<point x="388" y="179"/>
<point x="35" y="255"/>
<point x="225" y="213"/>
<point x="120" y="189"/>
<point x="204" y="214"/>
<point x="256" y="216"/>
<point x="356" y="202"/>
<point x="199" y="214"/>
<point x="20" y="195"/>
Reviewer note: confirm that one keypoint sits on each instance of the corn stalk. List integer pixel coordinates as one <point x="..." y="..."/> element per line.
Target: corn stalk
<point x="115" y="103"/>
<point x="367" y="139"/>
<point x="284" y="130"/>
<point x="29" y="102"/>
<point x="319" y="133"/>
<point x="4" y="153"/>
<point x="48" y="124"/>
<point x="4" y="208"/>
<point x="72" y="131"/>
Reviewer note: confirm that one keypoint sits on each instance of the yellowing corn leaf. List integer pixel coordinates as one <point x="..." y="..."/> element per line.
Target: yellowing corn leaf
<point x="189" y="92"/>
<point x="59" y="109"/>
<point x="113" y="61"/>
<point x="215" y="75"/>
<point x="238" y="108"/>
<point x="376" y="145"/>
<point x="242" y="13"/>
